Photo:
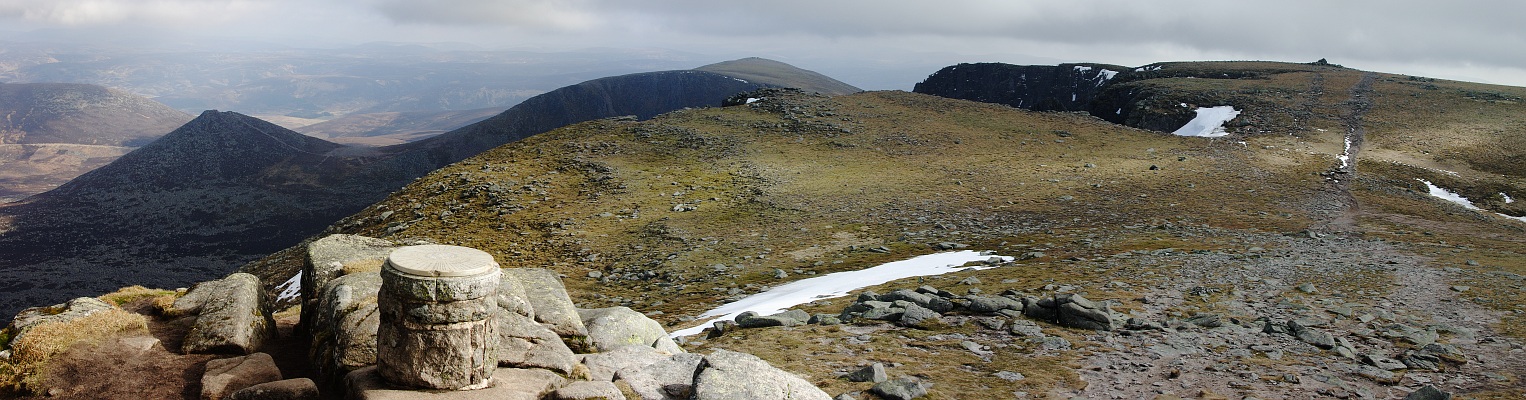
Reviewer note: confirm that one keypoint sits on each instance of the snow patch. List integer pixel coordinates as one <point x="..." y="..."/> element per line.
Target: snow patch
<point x="291" y="288"/>
<point x="1346" y="154"/>
<point x="1072" y="97"/>
<point x="1209" y="122"/>
<point x="839" y="284"/>
<point x="1508" y="200"/>
<point x="1083" y="69"/>
<point x="751" y="100"/>
<point x="1448" y="195"/>
<point x="1108" y="74"/>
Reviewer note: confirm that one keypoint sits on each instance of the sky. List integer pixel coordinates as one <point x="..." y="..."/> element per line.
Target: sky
<point x="1465" y="40"/>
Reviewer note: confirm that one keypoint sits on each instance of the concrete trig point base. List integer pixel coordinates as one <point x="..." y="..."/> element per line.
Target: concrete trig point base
<point x="436" y="330"/>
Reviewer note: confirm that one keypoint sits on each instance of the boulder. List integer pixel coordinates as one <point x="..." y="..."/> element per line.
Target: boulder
<point x="228" y="375"/>
<point x="524" y="343"/>
<point x="670" y="379"/>
<point x="235" y="319"/>
<point x="1428" y="393"/>
<point x="1313" y="336"/>
<point x="327" y="260"/>
<point x="344" y="327"/>
<point x="992" y="304"/>
<point x="615" y="327"/>
<point x="586" y="390"/>
<point x="903" y="388"/>
<point x="870" y="373"/>
<point x="1043" y="309"/>
<point x="290" y="389"/>
<point x="1078" y="312"/>
<point x="65" y="312"/>
<point x="604" y="366"/>
<point x="725" y="375"/>
<point x="553" y="308"/>
<point x="787" y="318"/>
<point x="920" y="317"/>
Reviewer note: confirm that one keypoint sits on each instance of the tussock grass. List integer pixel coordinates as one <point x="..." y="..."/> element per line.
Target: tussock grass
<point x="27" y="369"/>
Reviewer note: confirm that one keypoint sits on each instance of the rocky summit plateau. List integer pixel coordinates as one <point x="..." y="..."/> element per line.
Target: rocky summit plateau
<point x="1333" y="233"/>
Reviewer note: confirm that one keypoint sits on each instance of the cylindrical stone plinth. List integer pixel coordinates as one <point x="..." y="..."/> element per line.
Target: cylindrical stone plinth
<point x="437" y="304"/>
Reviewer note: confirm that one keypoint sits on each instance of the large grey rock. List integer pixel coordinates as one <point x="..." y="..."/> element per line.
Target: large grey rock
<point x="992" y="304"/>
<point x="903" y="388"/>
<point x="68" y="311"/>
<point x="615" y="327"/>
<point x="751" y="319"/>
<point x="1428" y="393"/>
<point x="1078" y="312"/>
<point x="344" y="327"/>
<point x="670" y="379"/>
<point x="869" y="373"/>
<point x="1043" y="309"/>
<point x="920" y="317"/>
<point x="508" y="384"/>
<point x="290" y="389"/>
<point x="329" y="258"/>
<point x="726" y="375"/>
<point x="1313" y="336"/>
<point x="586" y="390"/>
<point x="603" y="366"/>
<point x="228" y="375"/>
<point x="235" y="319"/>
<point x="524" y="343"/>
<point x="547" y="296"/>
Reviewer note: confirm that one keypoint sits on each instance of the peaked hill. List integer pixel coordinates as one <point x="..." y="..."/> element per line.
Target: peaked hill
<point x="176" y="211"/>
<point x="227" y="189"/>
<point x="53" y="132"/>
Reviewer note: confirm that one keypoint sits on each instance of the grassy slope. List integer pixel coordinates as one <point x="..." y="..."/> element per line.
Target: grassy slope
<point x="805" y="184"/>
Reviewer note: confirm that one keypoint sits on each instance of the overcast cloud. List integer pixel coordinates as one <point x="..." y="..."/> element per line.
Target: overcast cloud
<point x="1473" y="40"/>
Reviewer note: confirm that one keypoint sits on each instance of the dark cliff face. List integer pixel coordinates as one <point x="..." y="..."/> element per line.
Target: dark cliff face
<point x="1064" y="87"/>
<point x="1148" y="97"/>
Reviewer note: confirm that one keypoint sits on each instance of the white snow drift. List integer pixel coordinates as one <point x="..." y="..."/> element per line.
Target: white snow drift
<point x="1209" y="122"/>
<point x="839" y="284"/>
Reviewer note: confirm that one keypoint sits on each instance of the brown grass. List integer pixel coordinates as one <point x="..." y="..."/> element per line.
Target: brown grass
<point x="29" y="365"/>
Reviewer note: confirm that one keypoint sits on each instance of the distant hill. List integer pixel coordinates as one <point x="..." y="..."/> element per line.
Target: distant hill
<point x="176" y="211"/>
<point x="81" y="114"/>
<point x="776" y="73"/>
<point x="53" y="132"/>
<point x="374" y="129"/>
<point x="227" y="188"/>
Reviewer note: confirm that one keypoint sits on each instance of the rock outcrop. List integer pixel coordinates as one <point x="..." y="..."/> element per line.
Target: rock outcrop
<point x="233" y="316"/>
<point x="535" y="323"/>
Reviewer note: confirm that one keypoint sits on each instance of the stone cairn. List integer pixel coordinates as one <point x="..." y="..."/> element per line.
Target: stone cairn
<point x="437" y="330"/>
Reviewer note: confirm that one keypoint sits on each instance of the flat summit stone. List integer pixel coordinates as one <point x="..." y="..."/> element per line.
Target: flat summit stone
<point x="437" y="260"/>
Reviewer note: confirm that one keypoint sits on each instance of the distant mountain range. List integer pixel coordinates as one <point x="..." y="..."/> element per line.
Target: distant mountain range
<point x="53" y="132"/>
<point x="323" y="83"/>
<point x="227" y="188"/>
